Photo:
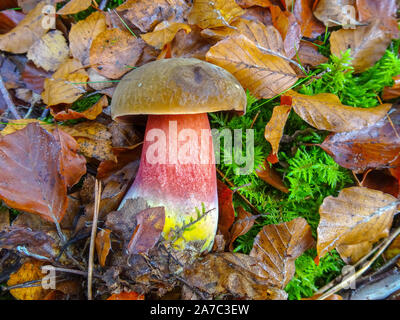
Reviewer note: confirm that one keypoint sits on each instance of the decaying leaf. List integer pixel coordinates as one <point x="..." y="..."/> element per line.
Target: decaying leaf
<point x="211" y="14"/>
<point x="26" y="33"/>
<point x="31" y="178"/>
<point x="83" y="33"/>
<point x="274" y="128"/>
<point x="126" y="296"/>
<point x="324" y="111"/>
<point x="145" y="14"/>
<point x="149" y="226"/>
<point x="114" y="52"/>
<point x="381" y="180"/>
<point x="4" y="218"/>
<point x="244" y="222"/>
<point x="354" y="221"/>
<point x="278" y="246"/>
<point x="50" y="51"/>
<point x="66" y="85"/>
<point x="90" y="114"/>
<point x="103" y="245"/>
<point x="310" y="26"/>
<point x="226" y="211"/>
<point x="74" y="6"/>
<point x="331" y="12"/>
<point x="367" y="43"/>
<point x="392" y="92"/>
<point x="9" y="19"/>
<point x="164" y="33"/>
<point x="308" y="54"/>
<point x="376" y="146"/>
<point x="232" y="275"/>
<point x="263" y="74"/>
<point x="34" y="77"/>
<point x="268" y="174"/>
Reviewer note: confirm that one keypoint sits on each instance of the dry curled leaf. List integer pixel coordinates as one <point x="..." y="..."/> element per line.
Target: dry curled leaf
<point x="74" y="6"/>
<point x="103" y="245"/>
<point x="31" y="178"/>
<point x="90" y="114"/>
<point x="226" y="211"/>
<point x="114" y="52"/>
<point x="83" y="33"/>
<point x="211" y="14"/>
<point x="66" y="85"/>
<point x="49" y="51"/>
<point x="376" y="146"/>
<point x="164" y="33"/>
<point x="354" y="221"/>
<point x="26" y="33"/>
<point x="367" y="43"/>
<point x="265" y="75"/>
<point x="268" y="174"/>
<point x="278" y="246"/>
<point x="324" y="111"/>
<point x="244" y="222"/>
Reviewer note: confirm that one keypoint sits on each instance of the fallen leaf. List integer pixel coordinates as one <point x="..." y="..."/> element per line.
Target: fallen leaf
<point x="244" y="222"/>
<point x="9" y="19"/>
<point x="103" y="245"/>
<point x="226" y="211"/>
<point x="290" y="30"/>
<point x="356" y="219"/>
<point x="392" y="92"/>
<point x="232" y="275"/>
<point x="10" y="72"/>
<point x="264" y="75"/>
<point x="114" y="52"/>
<point x="376" y="146"/>
<point x="31" y="178"/>
<point x="145" y="14"/>
<point x="310" y="26"/>
<point x="367" y="43"/>
<point x="83" y="33"/>
<point x="149" y="226"/>
<point x="268" y="174"/>
<point x="308" y="54"/>
<point x="126" y="296"/>
<point x="278" y="246"/>
<point x="4" y="218"/>
<point x="324" y="111"/>
<point x="331" y="297"/>
<point x="74" y="6"/>
<point x="381" y="180"/>
<point x="331" y="12"/>
<point x="25" y="34"/>
<point x="259" y="14"/>
<point x="251" y="3"/>
<point x="66" y="85"/>
<point x="274" y="128"/>
<point x="90" y="114"/>
<point x="164" y="33"/>
<point x="34" y="77"/>
<point x="211" y="14"/>
<point x="50" y="51"/>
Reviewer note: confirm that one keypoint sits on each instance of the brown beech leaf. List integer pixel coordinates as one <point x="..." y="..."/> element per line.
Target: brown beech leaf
<point x="244" y="222"/>
<point x="251" y="3"/>
<point x="392" y="92"/>
<point x="278" y="246"/>
<point x="103" y="245"/>
<point x="72" y="164"/>
<point x="74" y="6"/>
<point x="145" y="14"/>
<point x="31" y="178"/>
<point x="149" y="225"/>
<point x="114" y="52"/>
<point x="268" y="174"/>
<point x="324" y="111"/>
<point x="259" y="14"/>
<point x="50" y="51"/>
<point x="274" y="128"/>
<point x="25" y="34"/>
<point x="164" y="33"/>
<point x="83" y="33"/>
<point x="226" y="210"/>
<point x="308" y="54"/>
<point x="331" y="12"/>
<point x="310" y="26"/>
<point x="89" y="114"/>
<point x="265" y="75"/>
<point x="354" y="221"/>
<point x="211" y="14"/>
<point x="34" y="77"/>
<point x="232" y="275"/>
<point x="66" y="85"/>
<point x="290" y="30"/>
<point x="367" y="43"/>
<point x="381" y="180"/>
<point x="264" y="36"/>
<point x="376" y="146"/>
<point x="9" y="19"/>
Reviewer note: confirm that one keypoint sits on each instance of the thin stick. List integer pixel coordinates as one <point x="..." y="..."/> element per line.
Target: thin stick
<point x="93" y="236"/>
<point x="7" y="99"/>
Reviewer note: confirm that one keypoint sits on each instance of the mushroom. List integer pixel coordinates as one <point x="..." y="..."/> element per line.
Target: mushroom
<point x="177" y="167"/>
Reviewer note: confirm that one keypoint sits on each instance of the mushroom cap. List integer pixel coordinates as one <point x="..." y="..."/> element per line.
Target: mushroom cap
<point x="176" y="86"/>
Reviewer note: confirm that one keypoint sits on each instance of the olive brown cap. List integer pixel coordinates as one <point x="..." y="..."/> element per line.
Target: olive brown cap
<point x="176" y="86"/>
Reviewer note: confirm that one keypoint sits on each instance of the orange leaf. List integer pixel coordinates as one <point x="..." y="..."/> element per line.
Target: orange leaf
<point x="74" y="6"/>
<point x="126" y="296"/>
<point x="164" y="33"/>
<point x="9" y="19"/>
<point x="270" y="176"/>
<point x="103" y="245"/>
<point x="392" y="92"/>
<point x="226" y="210"/>
<point x="90" y="114"/>
<point x="310" y="26"/>
<point x="244" y="222"/>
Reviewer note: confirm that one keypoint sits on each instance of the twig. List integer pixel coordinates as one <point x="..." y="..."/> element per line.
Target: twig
<point x="7" y="99"/>
<point x="364" y="268"/>
<point x="93" y="237"/>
